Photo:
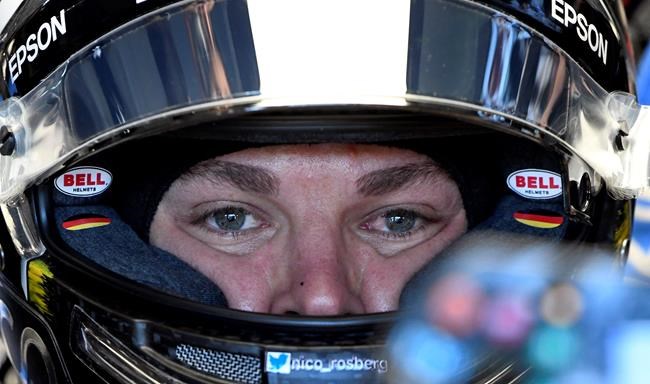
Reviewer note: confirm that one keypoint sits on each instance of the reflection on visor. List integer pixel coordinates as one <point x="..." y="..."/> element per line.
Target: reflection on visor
<point x="216" y="56"/>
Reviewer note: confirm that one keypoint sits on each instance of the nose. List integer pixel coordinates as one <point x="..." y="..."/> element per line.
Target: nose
<point x="322" y="278"/>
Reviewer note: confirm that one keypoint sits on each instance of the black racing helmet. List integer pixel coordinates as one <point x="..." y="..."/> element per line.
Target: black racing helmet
<point x="525" y="106"/>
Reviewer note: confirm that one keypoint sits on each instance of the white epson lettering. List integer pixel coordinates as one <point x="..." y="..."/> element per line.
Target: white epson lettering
<point x="570" y="16"/>
<point x="32" y="48"/>
<point x="565" y="14"/>
<point x="58" y="25"/>
<point x="21" y="54"/>
<point x="44" y="42"/>
<point x="582" y="27"/>
<point x="37" y="42"/>
<point x="556" y="10"/>
<point x="13" y="67"/>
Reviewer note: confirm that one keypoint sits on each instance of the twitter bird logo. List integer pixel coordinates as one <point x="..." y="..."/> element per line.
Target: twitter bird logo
<point x="278" y="362"/>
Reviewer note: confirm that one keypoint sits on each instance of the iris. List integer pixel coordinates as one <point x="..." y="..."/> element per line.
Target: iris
<point x="230" y="219"/>
<point x="400" y="220"/>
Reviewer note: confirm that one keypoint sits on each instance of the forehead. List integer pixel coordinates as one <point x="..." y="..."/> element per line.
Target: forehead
<point x="358" y="157"/>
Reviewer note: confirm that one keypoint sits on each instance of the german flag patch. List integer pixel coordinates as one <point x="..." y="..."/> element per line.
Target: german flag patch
<point x="539" y="219"/>
<point x="85" y="221"/>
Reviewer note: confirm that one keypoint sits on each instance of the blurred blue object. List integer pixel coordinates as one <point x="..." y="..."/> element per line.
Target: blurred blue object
<point x="628" y="347"/>
<point x="638" y="267"/>
<point x="583" y="325"/>
<point x="638" y="264"/>
<point x="424" y="354"/>
<point x="643" y="77"/>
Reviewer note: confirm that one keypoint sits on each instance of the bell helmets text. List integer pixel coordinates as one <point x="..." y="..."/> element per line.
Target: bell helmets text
<point x="84" y="181"/>
<point x="587" y="32"/>
<point x="535" y="183"/>
<point x="37" y="42"/>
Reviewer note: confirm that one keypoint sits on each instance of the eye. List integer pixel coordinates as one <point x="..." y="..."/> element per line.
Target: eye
<point x="400" y="220"/>
<point x="237" y="228"/>
<point x="393" y="229"/>
<point x="395" y="223"/>
<point x="232" y="219"/>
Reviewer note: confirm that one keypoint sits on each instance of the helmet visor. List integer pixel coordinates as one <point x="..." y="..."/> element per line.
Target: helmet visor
<point x="225" y="57"/>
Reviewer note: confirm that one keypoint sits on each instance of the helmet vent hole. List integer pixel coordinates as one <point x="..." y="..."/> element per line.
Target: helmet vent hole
<point x="580" y="194"/>
<point x="584" y="193"/>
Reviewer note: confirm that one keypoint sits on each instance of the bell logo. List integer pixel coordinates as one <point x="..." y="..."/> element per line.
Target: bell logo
<point x="278" y="362"/>
<point x="535" y="184"/>
<point x="84" y="181"/>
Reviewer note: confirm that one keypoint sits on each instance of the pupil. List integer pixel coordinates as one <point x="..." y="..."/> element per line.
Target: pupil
<point x="400" y="221"/>
<point x="230" y="219"/>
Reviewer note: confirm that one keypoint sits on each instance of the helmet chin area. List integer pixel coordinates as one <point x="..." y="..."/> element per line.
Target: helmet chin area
<point x="473" y="315"/>
<point x="162" y="353"/>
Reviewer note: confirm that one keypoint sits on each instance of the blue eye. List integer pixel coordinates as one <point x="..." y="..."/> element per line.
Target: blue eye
<point x="225" y="224"/>
<point x="400" y="220"/>
<point x="396" y="223"/>
<point x="229" y="219"/>
<point x="233" y="219"/>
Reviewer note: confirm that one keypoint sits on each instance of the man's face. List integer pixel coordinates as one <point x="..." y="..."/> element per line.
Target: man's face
<point x="325" y="229"/>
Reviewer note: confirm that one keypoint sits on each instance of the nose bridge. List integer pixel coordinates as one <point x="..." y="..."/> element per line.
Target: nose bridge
<point x="318" y="241"/>
<point x="322" y="280"/>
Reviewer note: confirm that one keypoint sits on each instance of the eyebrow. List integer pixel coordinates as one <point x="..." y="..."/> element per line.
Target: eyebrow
<point x="392" y="179"/>
<point x="245" y="177"/>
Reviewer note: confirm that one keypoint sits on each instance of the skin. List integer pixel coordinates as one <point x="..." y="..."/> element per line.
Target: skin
<point x="326" y="229"/>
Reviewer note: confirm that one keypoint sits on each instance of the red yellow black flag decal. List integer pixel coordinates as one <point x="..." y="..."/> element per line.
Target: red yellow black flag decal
<point x="86" y="221"/>
<point x="539" y="219"/>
